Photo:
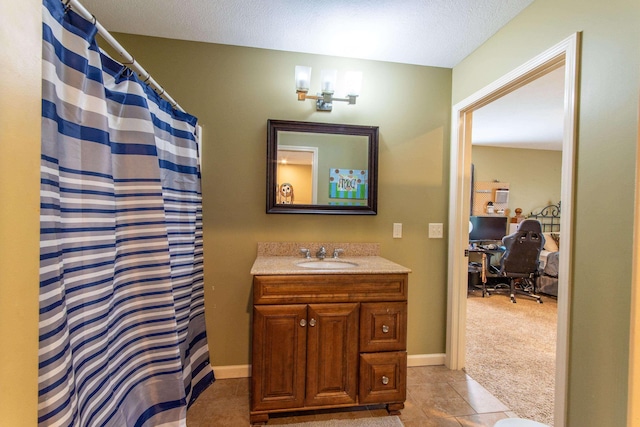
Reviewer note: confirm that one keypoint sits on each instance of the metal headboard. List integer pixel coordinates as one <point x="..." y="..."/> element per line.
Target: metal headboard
<point x="549" y="218"/>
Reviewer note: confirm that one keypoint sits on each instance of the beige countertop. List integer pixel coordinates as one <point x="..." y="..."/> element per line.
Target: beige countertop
<point x="273" y="265"/>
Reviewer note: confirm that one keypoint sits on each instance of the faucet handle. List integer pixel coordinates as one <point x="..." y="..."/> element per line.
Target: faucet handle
<point x="305" y="252"/>
<point x="337" y="252"/>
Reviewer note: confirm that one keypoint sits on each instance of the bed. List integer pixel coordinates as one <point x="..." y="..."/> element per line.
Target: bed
<point x="549" y="218"/>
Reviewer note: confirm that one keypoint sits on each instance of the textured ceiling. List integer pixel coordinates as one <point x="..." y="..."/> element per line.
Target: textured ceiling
<point x="438" y="33"/>
<point x="422" y="32"/>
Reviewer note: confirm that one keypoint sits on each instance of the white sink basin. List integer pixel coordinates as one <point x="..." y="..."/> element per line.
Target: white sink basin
<point x="327" y="264"/>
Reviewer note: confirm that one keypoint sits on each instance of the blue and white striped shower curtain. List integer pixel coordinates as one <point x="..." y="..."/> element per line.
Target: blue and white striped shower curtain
<point x="122" y="329"/>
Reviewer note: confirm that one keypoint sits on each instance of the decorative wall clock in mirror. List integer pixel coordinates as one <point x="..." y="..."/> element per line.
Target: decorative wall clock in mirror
<point x="321" y="168"/>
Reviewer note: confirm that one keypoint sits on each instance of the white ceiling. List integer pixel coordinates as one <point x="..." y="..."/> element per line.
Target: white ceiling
<point x="530" y="117"/>
<point x="295" y="157"/>
<point x="438" y="33"/>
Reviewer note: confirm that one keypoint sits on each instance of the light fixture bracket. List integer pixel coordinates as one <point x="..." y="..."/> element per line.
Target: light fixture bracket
<point x="324" y="102"/>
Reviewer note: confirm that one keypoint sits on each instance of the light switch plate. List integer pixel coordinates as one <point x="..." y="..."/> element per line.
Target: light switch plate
<point x="397" y="230"/>
<point x="435" y="230"/>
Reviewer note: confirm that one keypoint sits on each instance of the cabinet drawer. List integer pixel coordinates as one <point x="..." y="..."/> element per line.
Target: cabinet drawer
<point x="383" y="377"/>
<point x="289" y="289"/>
<point x="383" y="327"/>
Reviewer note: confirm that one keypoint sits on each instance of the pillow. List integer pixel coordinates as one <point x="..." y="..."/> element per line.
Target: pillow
<point x="551" y="267"/>
<point x="550" y="243"/>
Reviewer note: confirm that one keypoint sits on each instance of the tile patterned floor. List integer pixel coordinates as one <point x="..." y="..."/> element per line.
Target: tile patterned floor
<point x="436" y="397"/>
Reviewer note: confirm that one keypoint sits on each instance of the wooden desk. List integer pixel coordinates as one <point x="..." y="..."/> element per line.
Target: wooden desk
<point x="486" y="255"/>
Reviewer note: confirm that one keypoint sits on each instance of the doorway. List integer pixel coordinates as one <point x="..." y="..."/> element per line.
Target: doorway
<point x="564" y="53"/>
<point x="297" y="169"/>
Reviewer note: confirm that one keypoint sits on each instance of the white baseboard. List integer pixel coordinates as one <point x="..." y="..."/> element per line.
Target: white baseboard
<point x="244" y="371"/>
<point x="232" y="371"/>
<point x="425" y="359"/>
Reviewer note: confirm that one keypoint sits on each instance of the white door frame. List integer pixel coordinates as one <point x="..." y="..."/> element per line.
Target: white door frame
<point x="633" y="405"/>
<point x="564" y="53"/>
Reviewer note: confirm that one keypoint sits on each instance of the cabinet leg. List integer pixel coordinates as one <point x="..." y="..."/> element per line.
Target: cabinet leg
<point x="258" y="419"/>
<point x="394" y="408"/>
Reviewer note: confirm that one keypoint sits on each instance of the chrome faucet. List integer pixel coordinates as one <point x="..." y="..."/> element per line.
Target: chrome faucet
<point x="337" y="252"/>
<point x="322" y="253"/>
<point x="305" y="252"/>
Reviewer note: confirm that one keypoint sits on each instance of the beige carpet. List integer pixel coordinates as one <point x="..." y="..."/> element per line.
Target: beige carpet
<point x="392" y="421"/>
<point x="511" y="350"/>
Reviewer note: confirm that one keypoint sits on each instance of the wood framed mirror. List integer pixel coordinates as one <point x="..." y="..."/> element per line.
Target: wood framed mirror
<point x="321" y="168"/>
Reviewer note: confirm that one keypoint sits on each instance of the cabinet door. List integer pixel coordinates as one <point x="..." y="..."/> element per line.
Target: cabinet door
<point x="383" y="326"/>
<point x="332" y="354"/>
<point x="279" y="354"/>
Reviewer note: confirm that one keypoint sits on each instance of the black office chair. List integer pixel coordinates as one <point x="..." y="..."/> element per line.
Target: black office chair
<point x="520" y="261"/>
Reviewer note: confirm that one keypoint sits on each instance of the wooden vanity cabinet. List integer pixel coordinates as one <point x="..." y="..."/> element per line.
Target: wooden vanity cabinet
<point x="331" y="340"/>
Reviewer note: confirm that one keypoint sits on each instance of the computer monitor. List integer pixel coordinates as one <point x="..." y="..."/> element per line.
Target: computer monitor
<point x="487" y="228"/>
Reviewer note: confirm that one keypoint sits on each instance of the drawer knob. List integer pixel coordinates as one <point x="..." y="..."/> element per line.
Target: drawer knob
<point x="303" y="322"/>
<point x="385" y="329"/>
<point x="312" y="322"/>
<point x="385" y="380"/>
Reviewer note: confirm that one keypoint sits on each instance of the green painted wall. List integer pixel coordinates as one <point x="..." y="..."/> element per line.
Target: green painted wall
<point x="533" y="175"/>
<point x="605" y="179"/>
<point x="233" y="91"/>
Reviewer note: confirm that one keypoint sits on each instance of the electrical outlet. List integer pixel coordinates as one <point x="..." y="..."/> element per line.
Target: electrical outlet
<point x="436" y="230"/>
<point x="397" y="230"/>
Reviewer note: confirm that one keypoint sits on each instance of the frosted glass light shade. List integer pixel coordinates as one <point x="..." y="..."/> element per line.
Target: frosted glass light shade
<point x="354" y="82"/>
<point x="303" y="77"/>
<point x="328" y="80"/>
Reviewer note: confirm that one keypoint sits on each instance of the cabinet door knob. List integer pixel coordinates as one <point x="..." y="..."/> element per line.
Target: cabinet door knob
<point x="303" y="322"/>
<point x="385" y="329"/>
<point x="385" y="380"/>
<point x="312" y="322"/>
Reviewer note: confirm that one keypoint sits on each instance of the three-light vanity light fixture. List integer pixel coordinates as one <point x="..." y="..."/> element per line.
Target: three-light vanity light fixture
<point x="324" y="98"/>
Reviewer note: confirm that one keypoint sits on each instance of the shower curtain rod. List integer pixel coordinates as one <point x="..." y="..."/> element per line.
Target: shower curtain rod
<point x="130" y="60"/>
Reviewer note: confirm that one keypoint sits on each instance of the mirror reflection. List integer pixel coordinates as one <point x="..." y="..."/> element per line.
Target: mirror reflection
<point x="321" y="168"/>
<point x="297" y="174"/>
